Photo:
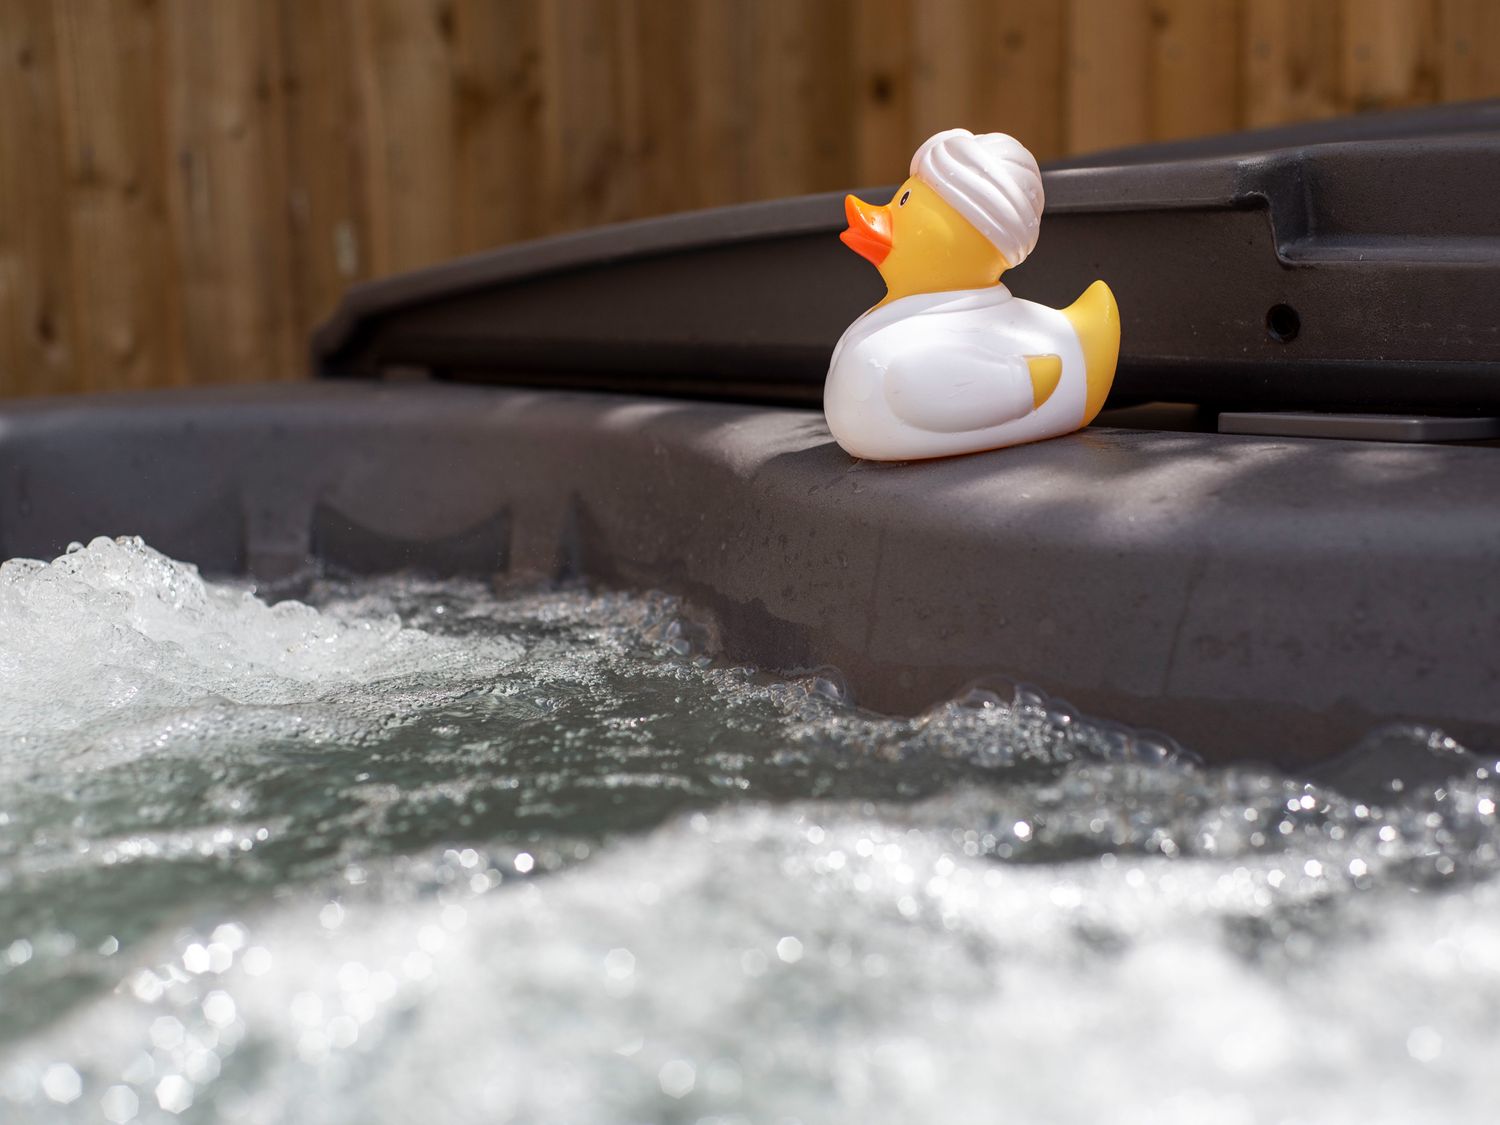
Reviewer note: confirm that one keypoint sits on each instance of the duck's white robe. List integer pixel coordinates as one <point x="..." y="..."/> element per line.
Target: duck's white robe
<point x="937" y="374"/>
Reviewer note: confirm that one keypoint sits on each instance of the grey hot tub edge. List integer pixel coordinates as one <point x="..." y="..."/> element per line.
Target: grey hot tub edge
<point x="1256" y="598"/>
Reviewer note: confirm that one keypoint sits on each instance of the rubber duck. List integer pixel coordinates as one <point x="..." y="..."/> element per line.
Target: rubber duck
<point x="949" y="362"/>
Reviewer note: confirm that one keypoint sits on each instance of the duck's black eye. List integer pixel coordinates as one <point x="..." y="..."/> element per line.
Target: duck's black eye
<point x="905" y="195"/>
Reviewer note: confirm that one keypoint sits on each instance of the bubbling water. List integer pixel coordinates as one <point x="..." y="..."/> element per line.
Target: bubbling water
<point x="414" y="849"/>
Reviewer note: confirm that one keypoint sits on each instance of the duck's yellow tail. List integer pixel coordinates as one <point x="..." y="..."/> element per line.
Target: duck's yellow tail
<point x="1096" y="319"/>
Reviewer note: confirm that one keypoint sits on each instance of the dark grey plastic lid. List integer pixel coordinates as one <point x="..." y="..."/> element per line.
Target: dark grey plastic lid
<point x="1349" y="265"/>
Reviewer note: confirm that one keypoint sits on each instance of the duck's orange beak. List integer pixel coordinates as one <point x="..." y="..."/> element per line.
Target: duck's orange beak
<point x="869" y="233"/>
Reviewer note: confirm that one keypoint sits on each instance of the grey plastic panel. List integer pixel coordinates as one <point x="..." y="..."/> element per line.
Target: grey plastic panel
<point x="1255" y="598"/>
<point x="1360" y="427"/>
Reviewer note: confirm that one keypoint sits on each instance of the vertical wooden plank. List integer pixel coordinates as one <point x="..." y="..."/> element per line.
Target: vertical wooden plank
<point x="666" y="167"/>
<point x="946" y="50"/>
<point x="825" y="97"/>
<point x="128" y="331"/>
<point x="1022" y="74"/>
<point x="631" y="78"/>
<point x="801" y="141"/>
<point x="884" y="133"/>
<point x="1195" y="82"/>
<point x="991" y="66"/>
<point x="1109" y="45"/>
<point x="498" y="92"/>
<point x="1294" y="60"/>
<point x="406" y="91"/>
<point x="1389" y="53"/>
<point x="1469" y="63"/>
<point x="227" y="194"/>
<point x="592" y="112"/>
<point x="720" y="110"/>
<point x="326" y="173"/>
<point x="37" y="312"/>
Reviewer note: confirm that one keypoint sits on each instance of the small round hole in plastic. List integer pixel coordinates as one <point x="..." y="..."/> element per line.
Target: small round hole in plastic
<point x="1283" y="323"/>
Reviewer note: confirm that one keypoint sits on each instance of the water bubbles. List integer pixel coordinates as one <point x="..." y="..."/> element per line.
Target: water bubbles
<point x="1066" y="897"/>
<point x="201" y="1066"/>
<point x="61" y="1083"/>
<point x="196" y="958"/>
<point x="829" y="683"/>
<point x="120" y="1104"/>
<point x="167" y="1033"/>
<point x="174" y="1093"/>
<point x="218" y="1008"/>
<point x="343" y="1032"/>
<point x="619" y="964"/>
<point x="740" y="898"/>
<point x="229" y="935"/>
<point x="677" y="1078"/>
<point x="1424" y="1044"/>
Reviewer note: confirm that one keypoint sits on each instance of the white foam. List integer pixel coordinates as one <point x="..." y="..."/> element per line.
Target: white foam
<point x="113" y="649"/>
<point x="1080" y="925"/>
<point x="655" y="984"/>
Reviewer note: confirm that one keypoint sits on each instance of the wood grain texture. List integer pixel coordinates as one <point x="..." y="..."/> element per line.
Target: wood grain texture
<point x="991" y="66"/>
<point x="1022" y="50"/>
<point x="1293" y="60"/>
<point x="187" y="187"/>
<point x="327" y="170"/>
<point x="801" y="97"/>
<point x="228" y="190"/>
<point x="883" y="83"/>
<point x="1390" y="49"/>
<point x="1468" y="58"/>
<point x="1195" y="79"/>
<point x="667" y="162"/>
<point x="1109" y="73"/>
<point x="125" y="335"/>
<point x="38" y="310"/>
<point x="718" y="112"/>
<point x="591" y="145"/>
<point x="498" y="108"/>
<point x="406" y="85"/>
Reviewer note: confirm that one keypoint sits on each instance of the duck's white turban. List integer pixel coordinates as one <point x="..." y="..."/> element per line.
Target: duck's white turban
<point x="991" y="180"/>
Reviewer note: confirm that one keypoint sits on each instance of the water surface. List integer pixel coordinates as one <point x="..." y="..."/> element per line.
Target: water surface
<point x="418" y="851"/>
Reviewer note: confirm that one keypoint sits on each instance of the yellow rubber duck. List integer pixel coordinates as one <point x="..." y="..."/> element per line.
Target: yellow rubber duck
<point x="950" y="362"/>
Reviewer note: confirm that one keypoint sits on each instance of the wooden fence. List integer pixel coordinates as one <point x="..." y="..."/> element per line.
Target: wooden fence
<point x="186" y="186"/>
